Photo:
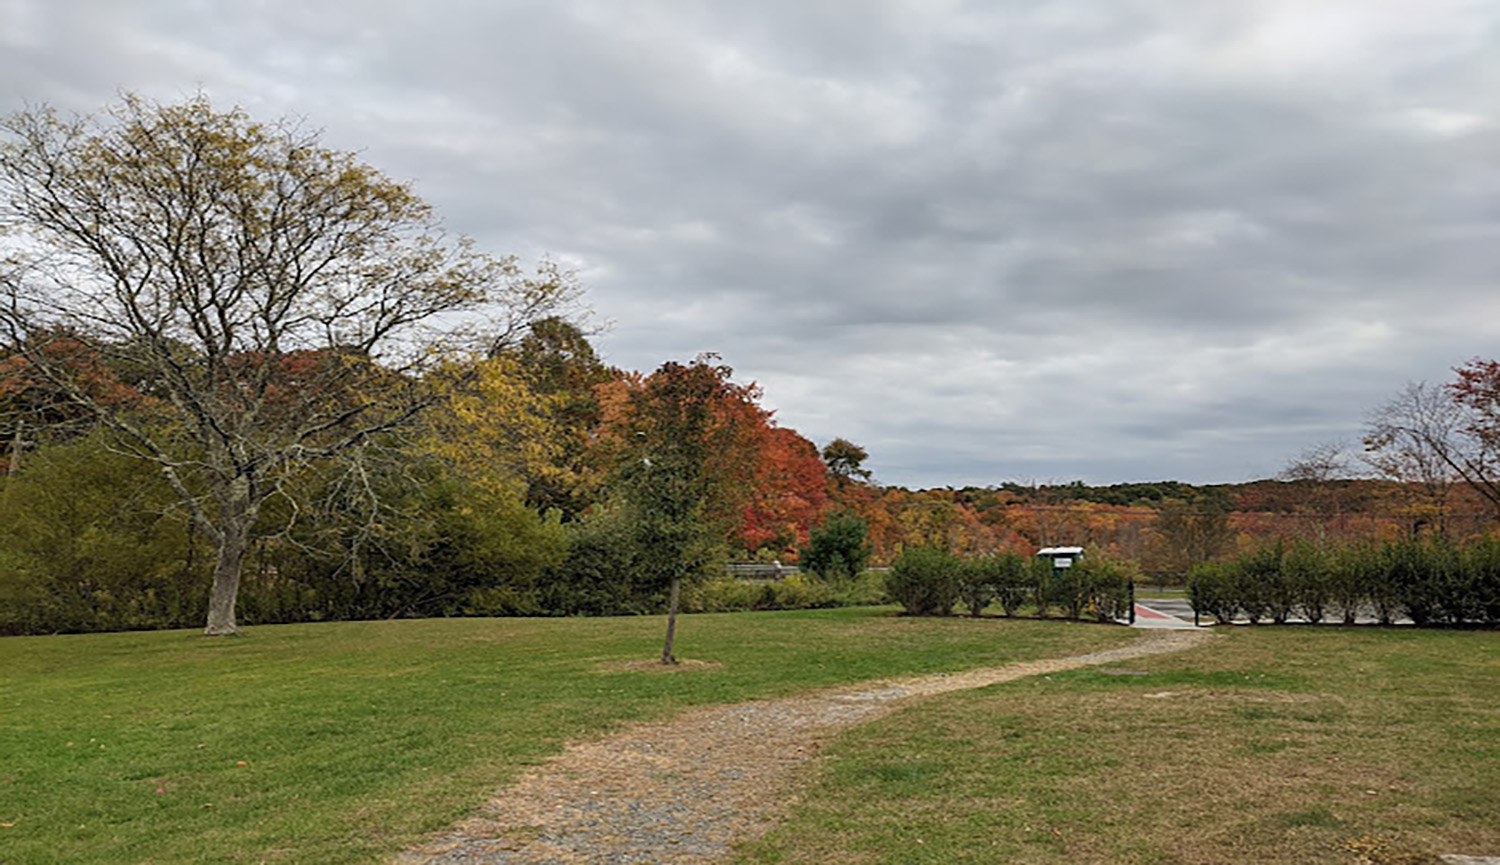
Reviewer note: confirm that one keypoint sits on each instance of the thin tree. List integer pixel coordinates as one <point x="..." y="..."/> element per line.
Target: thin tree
<point x="685" y="470"/>
<point x="278" y="300"/>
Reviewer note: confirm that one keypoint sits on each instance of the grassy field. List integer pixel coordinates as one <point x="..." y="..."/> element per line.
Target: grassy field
<point x="1270" y="745"/>
<point x="340" y="742"/>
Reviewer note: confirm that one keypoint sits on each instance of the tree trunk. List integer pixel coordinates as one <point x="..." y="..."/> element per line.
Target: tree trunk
<point x="15" y="452"/>
<point x="237" y="517"/>
<point x="666" y="650"/>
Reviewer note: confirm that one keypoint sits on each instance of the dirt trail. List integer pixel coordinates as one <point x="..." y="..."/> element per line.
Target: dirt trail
<point x="685" y="789"/>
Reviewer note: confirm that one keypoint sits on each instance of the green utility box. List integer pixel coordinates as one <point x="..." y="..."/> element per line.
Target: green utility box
<point x="1062" y="557"/>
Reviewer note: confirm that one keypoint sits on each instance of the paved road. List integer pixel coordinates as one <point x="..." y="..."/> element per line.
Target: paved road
<point x="1179" y="607"/>
<point x="1159" y="615"/>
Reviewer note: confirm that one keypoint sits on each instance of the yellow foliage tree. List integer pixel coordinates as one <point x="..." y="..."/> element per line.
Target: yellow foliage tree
<point x="490" y="425"/>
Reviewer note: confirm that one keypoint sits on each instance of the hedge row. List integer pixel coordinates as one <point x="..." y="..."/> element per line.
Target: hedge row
<point x="929" y="582"/>
<point x="796" y="592"/>
<point x="1431" y="582"/>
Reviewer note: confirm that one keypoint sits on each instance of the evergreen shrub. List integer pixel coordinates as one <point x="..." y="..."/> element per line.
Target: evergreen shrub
<point x="926" y="581"/>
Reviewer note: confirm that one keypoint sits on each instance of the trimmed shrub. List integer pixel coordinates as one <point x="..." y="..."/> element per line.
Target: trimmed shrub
<point x="1213" y="590"/>
<point x="1255" y="576"/>
<point x="1044" y="589"/>
<point x="976" y="586"/>
<point x="1001" y="577"/>
<point x="1350" y="572"/>
<point x="1307" y="575"/>
<point x="1431" y="582"/>
<point x="1482" y="560"/>
<point x="1107" y="585"/>
<point x="925" y="581"/>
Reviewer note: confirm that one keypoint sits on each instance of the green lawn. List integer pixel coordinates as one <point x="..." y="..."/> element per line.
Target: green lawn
<point x="1271" y="745"/>
<point x="341" y="742"/>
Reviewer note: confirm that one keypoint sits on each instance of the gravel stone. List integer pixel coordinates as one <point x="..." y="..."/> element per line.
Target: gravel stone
<point x="686" y="789"/>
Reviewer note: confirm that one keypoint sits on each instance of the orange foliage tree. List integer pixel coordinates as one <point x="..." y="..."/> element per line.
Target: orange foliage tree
<point x="789" y="492"/>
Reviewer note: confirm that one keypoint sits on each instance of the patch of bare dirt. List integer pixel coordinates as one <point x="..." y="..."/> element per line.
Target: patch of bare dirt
<point x="686" y="789"/>
<point x="683" y="665"/>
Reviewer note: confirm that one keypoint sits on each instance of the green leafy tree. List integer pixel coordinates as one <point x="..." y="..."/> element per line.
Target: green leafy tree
<point x="282" y="298"/>
<point x="839" y="550"/>
<point x="686" y="460"/>
<point x="561" y="364"/>
<point x="446" y="544"/>
<point x="845" y="459"/>
<point x="92" y="540"/>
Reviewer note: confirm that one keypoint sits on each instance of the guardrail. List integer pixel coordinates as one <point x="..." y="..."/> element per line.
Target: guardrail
<point x="759" y="571"/>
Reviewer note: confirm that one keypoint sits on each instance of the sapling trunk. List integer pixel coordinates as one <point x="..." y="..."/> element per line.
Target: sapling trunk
<point x="666" y="650"/>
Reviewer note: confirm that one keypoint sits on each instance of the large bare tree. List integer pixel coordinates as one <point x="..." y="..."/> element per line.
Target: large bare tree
<point x="1416" y="439"/>
<point x="275" y="300"/>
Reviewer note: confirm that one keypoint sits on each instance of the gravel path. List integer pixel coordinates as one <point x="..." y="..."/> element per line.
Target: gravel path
<point x="685" y="789"/>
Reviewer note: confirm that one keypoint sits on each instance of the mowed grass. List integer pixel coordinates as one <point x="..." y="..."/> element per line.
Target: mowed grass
<point x="343" y="742"/>
<point x="1268" y="745"/>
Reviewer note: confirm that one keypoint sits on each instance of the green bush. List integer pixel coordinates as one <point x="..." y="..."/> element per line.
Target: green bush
<point x="445" y="547"/>
<point x="1483" y="562"/>
<point x="975" y="587"/>
<point x="599" y="575"/>
<point x="839" y="550"/>
<point x="1432" y="582"/>
<point x="1043" y="580"/>
<point x="1310" y="580"/>
<point x="1350" y="571"/>
<point x="1213" y="590"/>
<point x="1107" y="586"/>
<point x="796" y="592"/>
<point x="1255" y="577"/>
<point x="92" y="540"/>
<point x="925" y="581"/>
<point x="999" y="577"/>
<point x="866" y="590"/>
<point x="731" y="595"/>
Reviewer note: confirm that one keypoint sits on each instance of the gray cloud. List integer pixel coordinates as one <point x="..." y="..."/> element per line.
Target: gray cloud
<point x="1115" y="241"/>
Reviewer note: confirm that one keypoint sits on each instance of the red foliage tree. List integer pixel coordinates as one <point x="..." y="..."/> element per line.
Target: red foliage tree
<point x="789" y="492"/>
<point x="1477" y="392"/>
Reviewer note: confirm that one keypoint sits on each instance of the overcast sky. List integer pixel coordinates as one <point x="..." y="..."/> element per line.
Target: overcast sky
<point x="989" y="241"/>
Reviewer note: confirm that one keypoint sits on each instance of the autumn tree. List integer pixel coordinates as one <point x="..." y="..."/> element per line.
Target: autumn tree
<point x="1321" y="474"/>
<point x="1185" y="534"/>
<point x="685" y="456"/>
<point x="488" y="423"/>
<point x="32" y="407"/>
<point x="1477" y="393"/>
<point x="788" y="491"/>
<point x="1417" y="439"/>
<point x="560" y="364"/>
<point x="283" y="298"/>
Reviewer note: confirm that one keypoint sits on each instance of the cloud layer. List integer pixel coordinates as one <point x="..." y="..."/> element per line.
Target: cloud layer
<point x="1122" y="240"/>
